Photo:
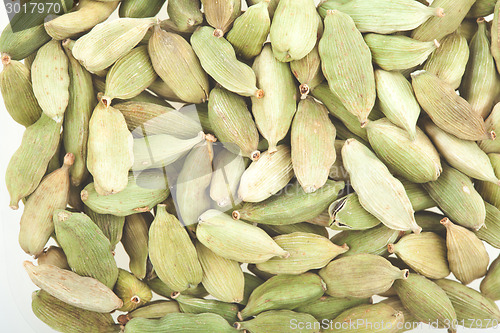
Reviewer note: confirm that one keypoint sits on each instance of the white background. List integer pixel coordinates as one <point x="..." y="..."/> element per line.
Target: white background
<point x="15" y="286"/>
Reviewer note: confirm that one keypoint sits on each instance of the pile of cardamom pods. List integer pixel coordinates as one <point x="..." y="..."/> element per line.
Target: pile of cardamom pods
<point x="317" y="158"/>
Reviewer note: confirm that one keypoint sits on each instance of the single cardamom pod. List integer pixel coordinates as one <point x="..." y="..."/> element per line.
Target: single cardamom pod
<point x="491" y="231"/>
<point x="308" y="72"/>
<point x="228" y="168"/>
<point x="190" y="304"/>
<point x="351" y="79"/>
<point x="419" y="198"/>
<point x="110" y="225"/>
<point x="239" y="241"/>
<point x="53" y="256"/>
<point x="279" y="321"/>
<point x="495" y="35"/>
<point x="372" y="241"/>
<point x="162" y="289"/>
<point x="140" y="8"/>
<point x="172" y="322"/>
<point x="185" y="14"/>
<point x="220" y="14"/>
<point x="155" y="310"/>
<point x="492" y="123"/>
<point x="337" y="171"/>
<point x="303" y="227"/>
<point x="135" y="242"/>
<point x="133" y="292"/>
<point x="251" y="282"/>
<point x="481" y="8"/>
<point x="328" y="307"/>
<point x="360" y="276"/>
<point x="347" y="213"/>
<point x="490" y="284"/>
<point x="467" y="255"/>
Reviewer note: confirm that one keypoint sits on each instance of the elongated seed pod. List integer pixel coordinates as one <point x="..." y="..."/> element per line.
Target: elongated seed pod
<point x="465" y="156"/>
<point x="218" y="59"/>
<point x="72" y="24"/>
<point x="240" y="241"/>
<point x="73" y="230"/>
<point x="274" y="112"/>
<point x="228" y="168"/>
<point x="140" y="8"/>
<point x="362" y="268"/>
<point x="479" y="86"/>
<point x="481" y="8"/>
<point x="172" y="253"/>
<point x="82" y="292"/>
<point x="232" y="121"/>
<point x="367" y="316"/>
<point x="453" y="189"/>
<point x="438" y="27"/>
<point x="308" y="72"/>
<point x="492" y="123"/>
<point x="133" y="292"/>
<point x="383" y="17"/>
<point x="389" y="203"/>
<point x="278" y="321"/>
<point x="221" y="14"/>
<point x="276" y="230"/>
<point x="419" y="198"/>
<point x="352" y="80"/>
<point x="495" y="36"/>
<point x="449" y="61"/>
<point x="397" y="101"/>
<point x="51" y="92"/>
<point x="266" y="176"/>
<point x="447" y="110"/>
<point x="347" y="213"/>
<point x="273" y="4"/>
<point x="172" y="322"/>
<point x="371" y="241"/>
<point x="110" y="225"/>
<point x="313" y="145"/>
<point x="185" y="14"/>
<point x="489" y="285"/>
<point x="190" y="304"/>
<point x="163" y="290"/>
<point x="328" y="307"/>
<point x="491" y="232"/>
<point x="15" y="80"/>
<point x="466" y="253"/>
<point x="417" y="160"/>
<point x="109" y="41"/>
<point x="135" y="242"/>
<point x="110" y="149"/>
<point x="184" y="71"/>
<point x="294" y="29"/>
<point x="250" y="31"/>
<point x="29" y="163"/>
<point x="50" y="195"/>
<point x="53" y="256"/>
<point x="489" y="191"/>
<point x="154" y="310"/>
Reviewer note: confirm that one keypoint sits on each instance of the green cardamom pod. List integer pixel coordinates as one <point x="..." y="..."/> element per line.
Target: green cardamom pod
<point x="133" y="292"/>
<point x="303" y="227"/>
<point x="140" y="8"/>
<point x="220" y="14"/>
<point x="347" y="213"/>
<point x="228" y="168"/>
<point x="371" y="241"/>
<point x="162" y="289"/>
<point x="185" y="14"/>
<point x="491" y="231"/>
<point x="53" y="256"/>
<point x="279" y="321"/>
<point x="329" y="307"/>
<point x="490" y="284"/>
<point x="181" y="322"/>
<point x="492" y="123"/>
<point x="155" y="310"/>
<point x="190" y="304"/>
<point x="308" y="72"/>
<point x="135" y="242"/>
<point x="110" y="225"/>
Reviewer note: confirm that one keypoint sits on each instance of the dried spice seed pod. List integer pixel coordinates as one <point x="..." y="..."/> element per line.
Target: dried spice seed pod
<point x="232" y="122"/>
<point x="195" y="323"/>
<point x="228" y="168"/>
<point x="73" y="230"/>
<point x="276" y="230"/>
<point x="220" y="14"/>
<point x="251" y="282"/>
<point x="140" y="8"/>
<point x="284" y="292"/>
<point x="110" y="225"/>
<point x="154" y="310"/>
<point x="455" y="195"/>
<point x="495" y="36"/>
<point x="162" y="289"/>
<point x="307" y="252"/>
<point x="350" y="79"/>
<point x="449" y="61"/>
<point x="492" y="123"/>
<point x="425" y="254"/>
<point x="28" y="164"/>
<point x="447" y="110"/>
<point x="15" y="80"/>
<point x="371" y="241"/>
<point x="278" y="321"/>
<point x="274" y="112"/>
<point x="133" y="292"/>
<point x="479" y="85"/>
<point x="73" y="24"/>
<point x="308" y="72"/>
<point x="416" y="160"/>
<point x="266" y="176"/>
<point x="53" y="256"/>
<point x="135" y="242"/>
<point x="466" y="253"/>
<point x="465" y="156"/>
<point x="185" y="14"/>
<point x="223" y="278"/>
<point x="50" y="77"/>
<point x="236" y="240"/>
<point x="292" y="206"/>
<point x="172" y="253"/>
<point x="190" y="304"/>
<point x="110" y="149"/>
<point x="347" y="213"/>
<point x="77" y="116"/>
<point x="369" y="316"/>
<point x="36" y="222"/>
<point x="489" y="191"/>
<point x="329" y="307"/>
<point x="218" y="59"/>
<point x="481" y="8"/>
<point x="273" y="4"/>
<point x="109" y="41"/>
<point x="368" y="275"/>
<point x="81" y="292"/>
<point x="490" y="284"/>
<point x="491" y="231"/>
<point x="176" y="63"/>
<point x="313" y="145"/>
<point x="379" y="192"/>
<point x="419" y="198"/>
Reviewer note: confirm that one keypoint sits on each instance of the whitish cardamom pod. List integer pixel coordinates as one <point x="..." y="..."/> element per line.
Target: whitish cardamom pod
<point x="383" y="17"/>
<point x="274" y="112"/>
<point x="351" y="79"/>
<point x="49" y="74"/>
<point x="218" y="59"/>
<point x="397" y="101"/>
<point x="379" y="192"/>
<point x="110" y="149"/>
<point x="176" y="63"/>
<point x="313" y="145"/>
<point x="220" y="14"/>
<point x="53" y="256"/>
<point x="228" y="168"/>
<point x="82" y="292"/>
<point x="307" y="251"/>
<point x="466" y="253"/>
<point x="455" y="195"/>
<point x="172" y="253"/>
<point x="416" y="160"/>
<point x="465" y="156"/>
<point x="424" y="253"/>
<point x="360" y="276"/>
<point x="447" y="110"/>
<point x="109" y="41"/>
<point x="371" y="241"/>
<point x="266" y="176"/>
<point x="480" y="83"/>
<point x="236" y="240"/>
<point x="449" y="61"/>
<point x="50" y="195"/>
<point x="250" y="30"/>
